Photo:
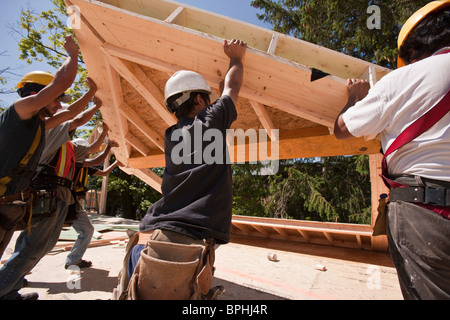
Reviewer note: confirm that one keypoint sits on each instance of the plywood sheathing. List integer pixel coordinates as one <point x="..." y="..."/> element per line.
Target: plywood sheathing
<point x="131" y="48"/>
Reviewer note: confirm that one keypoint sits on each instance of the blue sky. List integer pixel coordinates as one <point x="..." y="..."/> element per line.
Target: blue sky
<point x="10" y="13"/>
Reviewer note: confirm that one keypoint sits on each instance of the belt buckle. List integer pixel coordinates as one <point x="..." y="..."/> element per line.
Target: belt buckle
<point x="435" y="196"/>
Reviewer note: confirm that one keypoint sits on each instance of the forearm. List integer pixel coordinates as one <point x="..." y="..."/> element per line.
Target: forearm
<point x="84" y="117"/>
<point x="99" y="159"/>
<point x="235" y="74"/>
<point x="66" y="74"/>
<point x="97" y="144"/>
<point x="107" y="171"/>
<point x="79" y="105"/>
<point x="340" y="128"/>
<point x="234" y="79"/>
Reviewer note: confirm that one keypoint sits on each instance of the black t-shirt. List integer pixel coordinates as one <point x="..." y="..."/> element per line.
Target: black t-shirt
<point x="16" y="137"/>
<point x="197" y="183"/>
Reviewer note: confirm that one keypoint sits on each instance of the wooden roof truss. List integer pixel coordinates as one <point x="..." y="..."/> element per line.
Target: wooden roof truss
<point x="132" y="47"/>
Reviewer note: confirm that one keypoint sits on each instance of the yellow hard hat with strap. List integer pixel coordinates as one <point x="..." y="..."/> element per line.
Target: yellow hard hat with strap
<point x="418" y="16"/>
<point x="39" y="77"/>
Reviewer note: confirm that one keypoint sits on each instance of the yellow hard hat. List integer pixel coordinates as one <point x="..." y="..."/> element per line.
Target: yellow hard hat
<point x="39" y="77"/>
<point x="418" y="16"/>
<point x="42" y="78"/>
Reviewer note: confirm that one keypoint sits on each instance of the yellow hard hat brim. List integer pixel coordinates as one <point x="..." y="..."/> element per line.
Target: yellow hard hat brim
<point x="417" y="17"/>
<point x="38" y="77"/>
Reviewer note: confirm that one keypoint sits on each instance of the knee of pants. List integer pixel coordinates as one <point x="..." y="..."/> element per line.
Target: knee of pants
<point x="89" y="231"/>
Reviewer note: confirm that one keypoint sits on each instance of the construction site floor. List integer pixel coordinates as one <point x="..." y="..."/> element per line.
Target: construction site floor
<point x="243" y="267"/>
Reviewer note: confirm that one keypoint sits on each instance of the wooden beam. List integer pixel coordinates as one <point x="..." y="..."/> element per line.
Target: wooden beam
<point x="139" y="58"/>
<point x="261" y="230"/>
<point x="292" y="145"/>
<point x="273" y="44"/>
<point x="359" y="241"/>
<point x="343" y="228"/>
<point x="177" y="17"/>
<point x="117" y="99"/>
<point x="155" y="159"/>
<point x="148" y="176"/>
<point x="137" y="144"/>
<point x="379" y="243"/>
<point x="243" y="228"/>
<point x="135" y="119"/>
<point x="149" y="91"/>
<point x="304" y="234"/>
<point x="329" y="237"/>
<point x="282" y="232"/>
<point x="295" y="108"/>
<point x="265" y="119"/>
<point x="259" y="96"/>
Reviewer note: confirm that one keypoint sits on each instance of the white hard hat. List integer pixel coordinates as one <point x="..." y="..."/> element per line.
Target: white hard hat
<point x="184" y="82"/>
<point x="80" y="142"/>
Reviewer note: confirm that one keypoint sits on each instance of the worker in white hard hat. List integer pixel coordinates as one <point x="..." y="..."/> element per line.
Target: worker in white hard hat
<point x="409" y="108"/>
<point x="195" y="210"/>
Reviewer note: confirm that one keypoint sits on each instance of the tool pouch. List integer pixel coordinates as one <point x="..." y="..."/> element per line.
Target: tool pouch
<point x="172" y="271"/>
<point x="46" y="205"/>
<point x="379" y="229"/>
<point x="12" y="216"/>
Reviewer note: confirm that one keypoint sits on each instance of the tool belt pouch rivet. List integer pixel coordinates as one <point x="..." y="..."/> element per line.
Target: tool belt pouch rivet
<point x="171" y="271"/>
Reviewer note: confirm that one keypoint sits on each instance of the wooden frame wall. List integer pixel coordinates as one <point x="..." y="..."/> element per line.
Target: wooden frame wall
<point x="131" y="48"/>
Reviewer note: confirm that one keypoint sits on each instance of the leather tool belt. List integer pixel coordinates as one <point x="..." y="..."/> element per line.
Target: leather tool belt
<point x="169" y="270"/>
<point x="50" y="182"/>
<point x="23" y="196"/>
<point x="426" y="195"/>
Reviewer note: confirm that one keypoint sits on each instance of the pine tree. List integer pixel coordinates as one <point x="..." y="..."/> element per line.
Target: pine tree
<point x="344" y="26"/>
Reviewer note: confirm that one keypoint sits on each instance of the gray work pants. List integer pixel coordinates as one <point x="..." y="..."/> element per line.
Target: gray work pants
<point x="419" y="241"/>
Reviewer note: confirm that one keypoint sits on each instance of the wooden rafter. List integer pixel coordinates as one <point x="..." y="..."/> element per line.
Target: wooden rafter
<point x="136" y="77"/>
<point x="134" y="118"/>
<point x="258" y="98"/>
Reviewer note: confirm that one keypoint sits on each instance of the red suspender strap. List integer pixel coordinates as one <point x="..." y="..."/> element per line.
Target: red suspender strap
<point x="413" y="131"/>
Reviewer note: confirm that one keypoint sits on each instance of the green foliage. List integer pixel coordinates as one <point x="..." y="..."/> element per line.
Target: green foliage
<point x="42" y="39"/>
<point x="128" y="196"/>
<point x="248" y="189"/>
<point x="327" y="189"/>
<point x="342" y="25"/>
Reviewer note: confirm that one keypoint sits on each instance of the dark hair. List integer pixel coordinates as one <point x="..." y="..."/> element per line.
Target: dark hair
<point x="188" y="105"/>
<point x="27" y="89"/>
<point x="427" y="37"/>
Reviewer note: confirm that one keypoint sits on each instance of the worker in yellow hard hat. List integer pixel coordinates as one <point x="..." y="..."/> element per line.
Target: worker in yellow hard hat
<point x="22" y="137"/>
<point x="409" y="109"/>
<point x="35" y="81"/>
<point x="37" y="114"/>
